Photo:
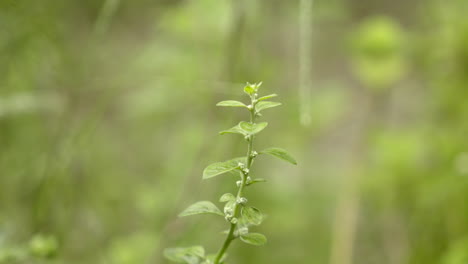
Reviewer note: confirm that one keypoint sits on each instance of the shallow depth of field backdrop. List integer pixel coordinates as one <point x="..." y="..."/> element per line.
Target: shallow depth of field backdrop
<point x="108" y="117"/>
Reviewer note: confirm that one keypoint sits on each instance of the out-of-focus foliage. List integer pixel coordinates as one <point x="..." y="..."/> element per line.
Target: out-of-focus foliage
<point x="378" y="52"/>
<point x="108" y="116"/>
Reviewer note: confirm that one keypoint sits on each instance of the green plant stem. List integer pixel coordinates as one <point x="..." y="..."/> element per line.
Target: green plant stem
<point x="230" y="237"/>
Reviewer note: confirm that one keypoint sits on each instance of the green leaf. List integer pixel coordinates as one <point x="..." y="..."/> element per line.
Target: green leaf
<point x="251" y="215"/>
<point x="257" y="180"/>
<point x="279" y="153"/>
<point x="202" y="207"/>
<point x="266" y="97"/>
<point x="218" y="168"/>
<point x="185" y="255"/>
<point x="252" y="129"/>
<point x="265" y="105"/>
<point x="255" y="239"/>
<point x="233" y="130"/>
<point x="227" y="197"/>
<point x="231" y="103"/>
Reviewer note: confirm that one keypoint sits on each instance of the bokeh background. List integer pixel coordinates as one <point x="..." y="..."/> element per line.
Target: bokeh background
<point x="108" y="117"/>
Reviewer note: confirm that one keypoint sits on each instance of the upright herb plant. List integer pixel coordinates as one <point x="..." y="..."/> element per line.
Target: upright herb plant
<point x="239" y="215"/>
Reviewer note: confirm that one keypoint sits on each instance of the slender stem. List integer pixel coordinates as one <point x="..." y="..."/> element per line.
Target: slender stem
<point x="230" y="237"/>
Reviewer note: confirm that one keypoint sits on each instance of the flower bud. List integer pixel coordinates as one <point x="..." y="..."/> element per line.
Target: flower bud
<point x="243" y="230"/>
<point x="228" y="211"/>
<point x="242" y="200"/>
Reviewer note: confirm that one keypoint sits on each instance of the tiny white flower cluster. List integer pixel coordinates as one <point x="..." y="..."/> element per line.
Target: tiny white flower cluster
<point x="242" y="200"/>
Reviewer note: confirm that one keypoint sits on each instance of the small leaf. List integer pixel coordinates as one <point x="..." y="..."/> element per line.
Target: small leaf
<point x="267" y="97"/>
<point x="252" y="129"/>
<point x="257" y="180"/>
<point x="185" y="255"/>
<point x="218" y="168"/>
<point x="231" y="103"/>
<point x="202" y="207"/>
<point x="279" y="153"/>
<point x="265" y="105"/>
<point x="251" y="215"/>
<point x="227" y="197"/>
<point x="255" y="239"/>
<point x="233" y="130"/>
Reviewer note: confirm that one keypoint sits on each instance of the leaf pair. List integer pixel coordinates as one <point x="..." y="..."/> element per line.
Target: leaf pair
<point x="261" y="105"/>
<point x="219" y="168"/>
<point x="245" y="128"/>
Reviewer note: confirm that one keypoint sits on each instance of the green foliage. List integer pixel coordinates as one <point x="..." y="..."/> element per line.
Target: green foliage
<point x="132" y="248"/>
<point x="43" y="246"/>
<point x="265" y="105"/>
<point x="266" y="97"/>
<point x="202" y="207"/>
<point x="100" y="137"/>
<point x="255" y="239"/>
<point x="252" y="89"/>
<point x="39" y="247"/>
<point x="279" y="153"/>
<point x="219" y="168"/>
<point x="245" y="128"/>
<point x="457" y="253"/>
<point x="190" y="255"/>
<point x="378" y="49"/>
<point x="227" y="197"/>
<point x="231" y="103"/>
<point x="251" y="215"/>
<point x="239" y="216"/>
<point x="257" y="180"/>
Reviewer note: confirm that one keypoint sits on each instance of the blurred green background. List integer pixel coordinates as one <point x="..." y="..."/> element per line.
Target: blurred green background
<point x="108" y="117"/>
